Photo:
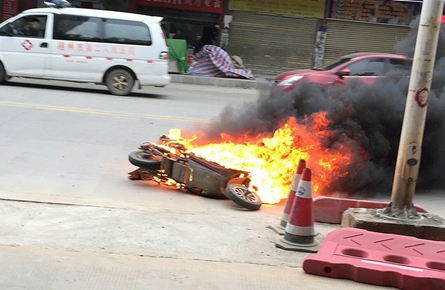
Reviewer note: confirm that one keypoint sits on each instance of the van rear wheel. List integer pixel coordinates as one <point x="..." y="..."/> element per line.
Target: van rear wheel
<point x="2" y="74"/>
<point x="120" y="82"/>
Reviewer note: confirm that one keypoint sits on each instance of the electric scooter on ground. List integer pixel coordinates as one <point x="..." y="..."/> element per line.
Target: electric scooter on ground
<point x="169" y="163"/>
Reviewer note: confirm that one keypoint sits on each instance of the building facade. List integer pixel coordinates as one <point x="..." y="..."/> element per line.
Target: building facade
<point x="292" y="34"/>
<point x="9" y="8"/>
<point x="275" y="36"/>
<point x="192" y="17"/>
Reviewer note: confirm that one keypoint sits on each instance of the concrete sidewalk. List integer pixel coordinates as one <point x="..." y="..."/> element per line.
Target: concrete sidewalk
<point x="73" y="246"/>
<point x="47" y="269"/>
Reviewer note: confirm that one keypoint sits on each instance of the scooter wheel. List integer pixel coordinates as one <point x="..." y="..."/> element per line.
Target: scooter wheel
<point x="144" y="159"/>
<point x="243" y="197"/>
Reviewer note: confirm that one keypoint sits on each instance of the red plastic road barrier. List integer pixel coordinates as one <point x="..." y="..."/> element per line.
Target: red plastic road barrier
<point x="330" y="209"/>
<point x="404" y="262"/>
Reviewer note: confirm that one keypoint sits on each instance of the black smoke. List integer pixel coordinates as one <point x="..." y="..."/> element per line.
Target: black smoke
<point x="369" y="115"/>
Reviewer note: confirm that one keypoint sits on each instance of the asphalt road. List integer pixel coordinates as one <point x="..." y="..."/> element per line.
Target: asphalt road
<point x="74" y="140"/>
<point x="71" y="219"/>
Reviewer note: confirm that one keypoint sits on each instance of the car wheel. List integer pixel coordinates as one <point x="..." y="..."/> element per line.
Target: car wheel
<point x="242" y="196"/>
<point x="120" y="82"/>
<point x="145" y="159"/>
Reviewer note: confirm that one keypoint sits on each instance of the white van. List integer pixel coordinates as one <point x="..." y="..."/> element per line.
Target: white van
<point x="111" y="48"/>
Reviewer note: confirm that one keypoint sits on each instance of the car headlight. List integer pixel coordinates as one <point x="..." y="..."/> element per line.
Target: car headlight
<point x="289" y="81"/>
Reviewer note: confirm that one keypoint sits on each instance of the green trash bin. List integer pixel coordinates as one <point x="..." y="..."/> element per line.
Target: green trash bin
<point x="177" y="51"/>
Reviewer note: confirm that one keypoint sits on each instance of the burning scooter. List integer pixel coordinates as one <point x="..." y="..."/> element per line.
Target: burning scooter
<point x="168" y="162"/>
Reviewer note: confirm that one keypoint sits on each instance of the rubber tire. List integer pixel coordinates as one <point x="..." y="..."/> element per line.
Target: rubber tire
<point x="2" y="74"/>
<point x="119" y="82"/>
<point x="143" y="159"/>
<point x="243" y="197"/>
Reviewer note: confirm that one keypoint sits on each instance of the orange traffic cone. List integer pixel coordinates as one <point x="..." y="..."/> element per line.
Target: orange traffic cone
<point x="299" y="232"/>
<point x="279" y="229"/>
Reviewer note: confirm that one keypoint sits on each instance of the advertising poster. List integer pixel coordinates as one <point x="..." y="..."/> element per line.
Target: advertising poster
<point x="389" y="12"/>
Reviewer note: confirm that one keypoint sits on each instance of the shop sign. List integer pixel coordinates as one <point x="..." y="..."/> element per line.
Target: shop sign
<point x="210" y="6"/>
<point x="303" y="8"/>
<point x="390" y="12"/>
<point x="9" y="9"/>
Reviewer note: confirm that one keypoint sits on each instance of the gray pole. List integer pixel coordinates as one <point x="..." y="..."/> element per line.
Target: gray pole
<point x="408" y="158"/>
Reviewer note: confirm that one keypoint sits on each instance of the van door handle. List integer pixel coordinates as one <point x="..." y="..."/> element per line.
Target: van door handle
<point x="44" y="45"/>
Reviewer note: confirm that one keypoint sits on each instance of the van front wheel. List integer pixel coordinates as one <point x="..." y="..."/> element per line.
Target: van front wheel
<point x="120" y="82"/>
<point x="2" y="74"/>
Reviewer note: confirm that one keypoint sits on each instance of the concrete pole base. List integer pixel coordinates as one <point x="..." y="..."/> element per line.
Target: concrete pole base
<point x="407" y="213"/>
<point x="425" y="226"/>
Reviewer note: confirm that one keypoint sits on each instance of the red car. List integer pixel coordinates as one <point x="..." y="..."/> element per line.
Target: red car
<point x="364" y="66"/>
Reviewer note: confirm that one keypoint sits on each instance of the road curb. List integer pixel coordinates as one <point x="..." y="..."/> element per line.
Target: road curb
<point x="259" y="83"/>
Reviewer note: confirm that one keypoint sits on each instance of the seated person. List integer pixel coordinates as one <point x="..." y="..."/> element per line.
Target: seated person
<point x="33" y="28"/>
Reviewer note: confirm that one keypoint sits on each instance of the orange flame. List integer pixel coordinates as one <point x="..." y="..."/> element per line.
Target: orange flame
<point x="273" y="160"/>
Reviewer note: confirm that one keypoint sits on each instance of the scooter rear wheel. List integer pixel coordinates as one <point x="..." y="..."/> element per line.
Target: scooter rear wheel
<point x="145" y="159"/>
<point x="242" y="196"/>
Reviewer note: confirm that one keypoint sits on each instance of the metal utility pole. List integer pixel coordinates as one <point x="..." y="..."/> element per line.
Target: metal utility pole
<point x="410" y="146"/>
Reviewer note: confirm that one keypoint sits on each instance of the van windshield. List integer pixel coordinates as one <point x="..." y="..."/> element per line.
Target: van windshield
<point x="26" y="26"/>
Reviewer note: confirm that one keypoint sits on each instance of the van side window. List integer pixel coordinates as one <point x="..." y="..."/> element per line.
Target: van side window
<point x="126" y="32"/>
<point x="70" y="27"/>
<point x="27" y="26"/>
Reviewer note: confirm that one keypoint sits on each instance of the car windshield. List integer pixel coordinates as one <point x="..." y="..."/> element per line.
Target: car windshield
<point x="335" y="63"/>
